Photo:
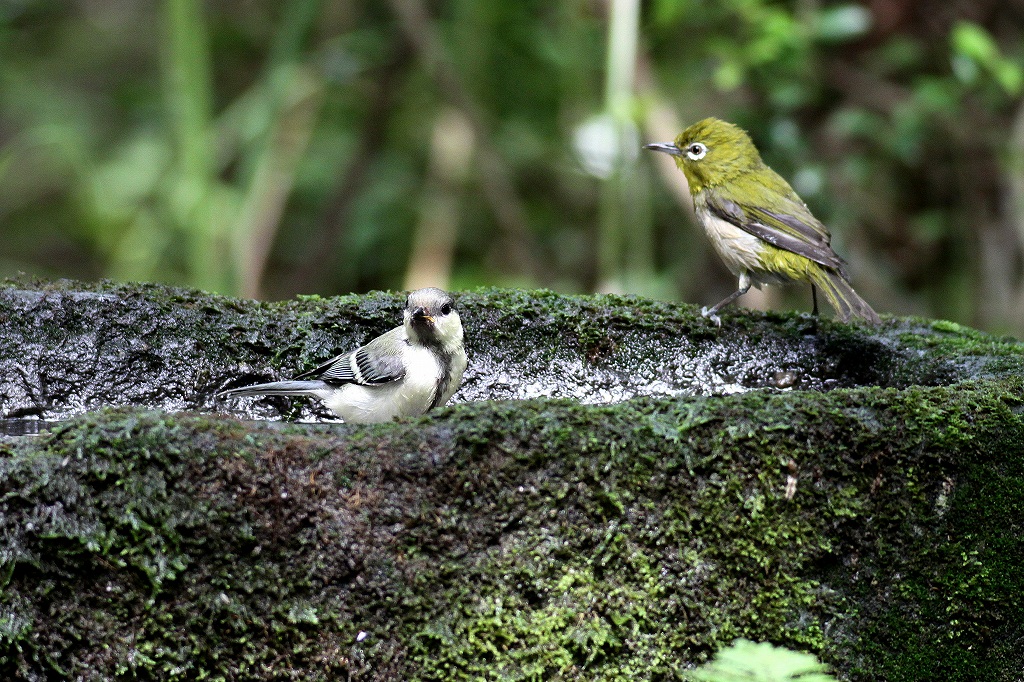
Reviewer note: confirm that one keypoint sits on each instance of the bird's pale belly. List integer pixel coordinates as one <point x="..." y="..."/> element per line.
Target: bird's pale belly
<point x="739" y="250"/>
<point x="409" y="396"/>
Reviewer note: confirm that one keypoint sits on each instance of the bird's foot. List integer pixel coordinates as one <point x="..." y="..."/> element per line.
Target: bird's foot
<point x="710" y="314"/>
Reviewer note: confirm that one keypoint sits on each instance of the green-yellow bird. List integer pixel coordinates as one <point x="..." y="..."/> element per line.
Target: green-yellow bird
<point x="758" y="225"/>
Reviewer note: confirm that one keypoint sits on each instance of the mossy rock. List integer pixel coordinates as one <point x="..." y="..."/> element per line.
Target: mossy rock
<point x="852" y="492"/>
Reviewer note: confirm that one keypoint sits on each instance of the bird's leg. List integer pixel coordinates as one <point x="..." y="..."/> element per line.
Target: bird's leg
<point x="814" y="297"/>
<point x="712" y="313"/>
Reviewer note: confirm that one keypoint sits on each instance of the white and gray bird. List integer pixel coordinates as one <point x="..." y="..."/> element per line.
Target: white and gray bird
<point x="404" y="372"/>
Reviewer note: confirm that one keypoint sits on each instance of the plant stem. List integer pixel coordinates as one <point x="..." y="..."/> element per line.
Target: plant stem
<point x="191" y="191"/>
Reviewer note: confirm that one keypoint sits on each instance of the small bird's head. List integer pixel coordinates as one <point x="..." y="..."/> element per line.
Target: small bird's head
<point x="431" y="318"/>
<point x="710" y="152"/>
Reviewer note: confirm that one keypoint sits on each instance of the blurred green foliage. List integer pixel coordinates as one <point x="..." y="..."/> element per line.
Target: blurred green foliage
<point x="267" y="149"/>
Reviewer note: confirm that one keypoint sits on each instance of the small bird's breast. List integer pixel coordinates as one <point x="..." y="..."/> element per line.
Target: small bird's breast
<point x="456" y="367"/>
<point x="422" y="375"/>
<point x="739" y="250"/>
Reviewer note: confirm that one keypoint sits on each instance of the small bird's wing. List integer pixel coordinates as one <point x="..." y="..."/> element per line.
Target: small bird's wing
<point x="378" y="362"/>
<point x="791" y="226"/>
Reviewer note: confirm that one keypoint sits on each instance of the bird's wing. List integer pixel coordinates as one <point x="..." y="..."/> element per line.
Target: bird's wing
<point x="378" y="362"/>
<point x="790" y="227"/>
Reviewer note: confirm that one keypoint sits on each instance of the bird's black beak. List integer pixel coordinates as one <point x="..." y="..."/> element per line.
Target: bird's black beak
<point x="420" y="315"/>
<point x="666" y="147"/>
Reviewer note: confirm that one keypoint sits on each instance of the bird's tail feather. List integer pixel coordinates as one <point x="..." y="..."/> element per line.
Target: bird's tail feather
<point x="277" y="388"/>
<point x="842" y="297"/>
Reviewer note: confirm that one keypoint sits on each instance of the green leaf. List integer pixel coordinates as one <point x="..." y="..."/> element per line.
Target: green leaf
<point x="975" y="42"/>
<point x="972" y="43"/>
<point x="747" y="661"/>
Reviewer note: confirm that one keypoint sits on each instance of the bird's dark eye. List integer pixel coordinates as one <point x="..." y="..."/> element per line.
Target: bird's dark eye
<point x="446" y="308"/>
<point x="696" y="151"/>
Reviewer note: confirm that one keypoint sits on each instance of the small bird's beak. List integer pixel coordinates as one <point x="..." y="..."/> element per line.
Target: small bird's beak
<point x="421" y="314"/>
<point x="666" y="147"/>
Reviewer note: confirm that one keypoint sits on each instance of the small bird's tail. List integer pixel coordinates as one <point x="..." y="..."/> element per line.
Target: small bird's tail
<point x="314" y="388"/>
<point x="842" y="297"/>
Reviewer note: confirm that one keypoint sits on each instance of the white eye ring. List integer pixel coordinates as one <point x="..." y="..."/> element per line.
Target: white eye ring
<point x="696" y="151"/>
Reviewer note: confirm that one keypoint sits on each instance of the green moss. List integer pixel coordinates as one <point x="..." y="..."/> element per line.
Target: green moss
<point x="522" y="540"/>
<point x="964" y="592"/>
<point x="509" y="540"/>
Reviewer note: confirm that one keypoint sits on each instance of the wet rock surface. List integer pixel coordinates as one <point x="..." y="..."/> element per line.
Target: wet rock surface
<point x="849" y="491"/>
<point x="67" y="348"/>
